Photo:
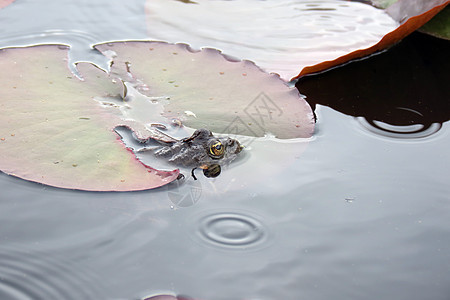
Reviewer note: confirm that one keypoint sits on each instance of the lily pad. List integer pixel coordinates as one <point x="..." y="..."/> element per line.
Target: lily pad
<point x="383" y="3"/>
<point x="410" y="14"/>
<point x="58" y="129"/>
<point x="280" y="36"/>
<point x="208" y="90"/>
<point x="4" y="3"/>
<point x="290" y="38"/>
<point x="53" y="132"/>
<point x="439" y="26"/>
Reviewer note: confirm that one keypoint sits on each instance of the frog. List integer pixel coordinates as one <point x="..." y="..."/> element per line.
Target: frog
<point x="202" y="150"/>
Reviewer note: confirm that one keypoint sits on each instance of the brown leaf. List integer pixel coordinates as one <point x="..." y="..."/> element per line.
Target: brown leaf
<point x="411" y="14"/>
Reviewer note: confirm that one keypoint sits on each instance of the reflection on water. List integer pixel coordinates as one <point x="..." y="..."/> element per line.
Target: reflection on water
<point x="397" y="94"/>
<point x="344" y="215"/>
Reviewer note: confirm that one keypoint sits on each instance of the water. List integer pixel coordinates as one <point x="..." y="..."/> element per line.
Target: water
<point x="356" y="212"/>
<point x="302" y="34"/>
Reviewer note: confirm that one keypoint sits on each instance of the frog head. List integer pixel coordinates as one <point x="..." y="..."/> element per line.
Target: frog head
<point x="202" y="150"/>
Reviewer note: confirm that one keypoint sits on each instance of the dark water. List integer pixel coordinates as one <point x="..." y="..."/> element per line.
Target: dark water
<point x="359" y="212"/>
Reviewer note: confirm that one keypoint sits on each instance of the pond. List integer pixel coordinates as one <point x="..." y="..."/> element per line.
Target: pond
<point x="358" y="211"/>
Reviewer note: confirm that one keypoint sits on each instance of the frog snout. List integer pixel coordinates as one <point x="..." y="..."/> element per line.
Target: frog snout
<point x="239" y="148"/>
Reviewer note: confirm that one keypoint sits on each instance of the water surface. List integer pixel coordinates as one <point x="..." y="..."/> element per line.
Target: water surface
<point x="352" y="213"/>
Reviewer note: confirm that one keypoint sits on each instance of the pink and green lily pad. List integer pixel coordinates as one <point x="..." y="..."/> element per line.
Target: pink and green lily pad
<point x="207" y="90"/>
<point x="58" y="129"/>
<point x="53" y="132"/>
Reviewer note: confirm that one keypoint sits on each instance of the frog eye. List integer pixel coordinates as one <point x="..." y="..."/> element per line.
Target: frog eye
<point x="216" y="149"/>
<point x="212" y="171"/>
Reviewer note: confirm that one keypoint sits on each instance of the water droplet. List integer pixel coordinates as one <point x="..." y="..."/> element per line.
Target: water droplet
<point x="232" y="230"/>
<point x="190" y="113"/>
<point x="176" y="122"/>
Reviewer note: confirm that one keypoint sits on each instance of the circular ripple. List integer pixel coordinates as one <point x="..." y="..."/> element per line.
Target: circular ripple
<point x="168" y="297"/>
<point x="232" y="230"/>
<point x="409" y="132"/>
<point x="36" y="275"/>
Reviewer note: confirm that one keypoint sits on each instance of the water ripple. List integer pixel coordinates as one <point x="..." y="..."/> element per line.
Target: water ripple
<point x="407" y="132"/>
<point x="232" y="230"/>
<point x="168" y="297"/>
<point x="36" y="275"/>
